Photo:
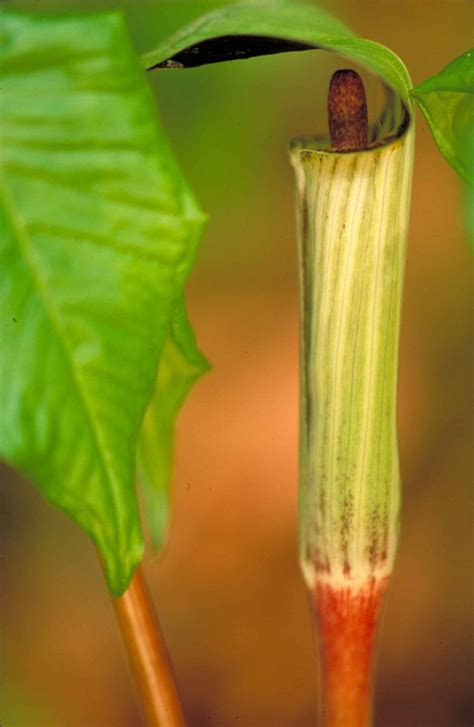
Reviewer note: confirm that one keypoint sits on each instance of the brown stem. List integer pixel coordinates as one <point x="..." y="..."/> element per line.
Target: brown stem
<point x="148" y="656"/>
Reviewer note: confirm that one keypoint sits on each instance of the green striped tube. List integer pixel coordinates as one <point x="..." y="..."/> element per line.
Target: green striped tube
<point x="353" y="212"/>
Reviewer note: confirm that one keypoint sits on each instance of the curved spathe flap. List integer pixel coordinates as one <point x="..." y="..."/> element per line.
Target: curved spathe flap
<point x="258" y="28"/>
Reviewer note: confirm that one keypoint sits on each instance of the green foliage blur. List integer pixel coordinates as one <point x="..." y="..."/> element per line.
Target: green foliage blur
<point x="447" y="101"/>
<point x="227" y="587"/>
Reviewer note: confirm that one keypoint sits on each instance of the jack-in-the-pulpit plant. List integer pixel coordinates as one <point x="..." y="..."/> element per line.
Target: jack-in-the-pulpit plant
<point x="98" y="233"/>
<point x="353" y="216"/>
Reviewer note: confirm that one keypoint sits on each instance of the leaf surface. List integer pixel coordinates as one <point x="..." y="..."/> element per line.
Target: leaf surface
<point x="97" y="235"/>
<point x="181" y="364"/>
<point x="447" y="102"/>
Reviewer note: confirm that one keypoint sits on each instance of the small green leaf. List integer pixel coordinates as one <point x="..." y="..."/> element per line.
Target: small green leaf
<point x="181" y="364"/>
<point x="97" y="235"/>
<point x="261" y="27"/>
<point x="447" y="102"/>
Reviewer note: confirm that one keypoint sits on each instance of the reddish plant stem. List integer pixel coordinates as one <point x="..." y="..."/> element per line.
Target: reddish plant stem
<point x="347" y="623"/>
<point x="148" y="656"/>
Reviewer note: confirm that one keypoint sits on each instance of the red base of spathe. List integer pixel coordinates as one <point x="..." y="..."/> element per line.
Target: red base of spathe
<point x="347" y="621"/>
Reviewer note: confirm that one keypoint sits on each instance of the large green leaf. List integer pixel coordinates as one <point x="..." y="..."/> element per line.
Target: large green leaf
<point x="447" y="101"/>
<point x="97" y="234"/>
<point x="181" y="364"/>
<point x="261" y="27"/>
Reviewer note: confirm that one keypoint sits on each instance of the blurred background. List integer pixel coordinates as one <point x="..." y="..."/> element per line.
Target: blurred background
<point x="227" y="587"/>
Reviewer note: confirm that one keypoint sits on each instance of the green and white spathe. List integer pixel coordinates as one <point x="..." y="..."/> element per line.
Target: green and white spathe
<point x="353" y="212"/>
